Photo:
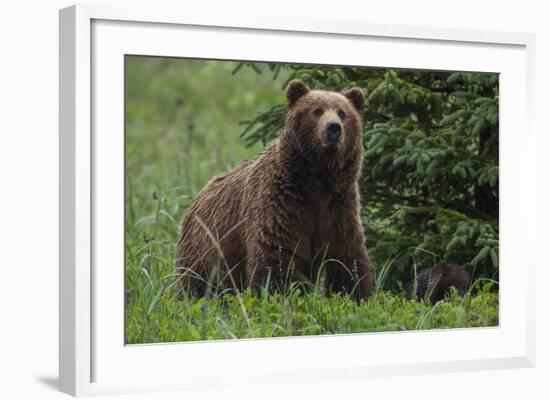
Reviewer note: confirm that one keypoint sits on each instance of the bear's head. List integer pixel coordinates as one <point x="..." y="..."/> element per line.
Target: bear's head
<point x="453" y="275"/>
<point x="324" y="126"/>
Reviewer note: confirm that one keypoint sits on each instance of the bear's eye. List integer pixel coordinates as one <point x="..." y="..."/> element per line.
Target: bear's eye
<point x="341" y="114"/>
<point x="318" y="112"/>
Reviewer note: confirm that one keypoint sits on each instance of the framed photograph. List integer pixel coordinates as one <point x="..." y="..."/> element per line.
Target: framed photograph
<point x="276" y="199"/>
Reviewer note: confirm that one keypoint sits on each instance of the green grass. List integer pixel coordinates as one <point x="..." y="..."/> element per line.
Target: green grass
<point x="182" y="128"/>
<point x="297" y="314"/>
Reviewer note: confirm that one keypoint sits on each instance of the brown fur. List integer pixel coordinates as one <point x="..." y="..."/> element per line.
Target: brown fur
<point x="280" y="215"/>
<point x="437" y="280"/>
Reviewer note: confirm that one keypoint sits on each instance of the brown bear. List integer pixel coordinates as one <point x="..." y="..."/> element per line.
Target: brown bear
<point x="436" y="281"/>
<point x="290" y="214"/>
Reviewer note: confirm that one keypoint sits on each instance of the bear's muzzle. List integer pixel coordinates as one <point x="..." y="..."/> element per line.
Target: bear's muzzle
<point x="333" y="132"/>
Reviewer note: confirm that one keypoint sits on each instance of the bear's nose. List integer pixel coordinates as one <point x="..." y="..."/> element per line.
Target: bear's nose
<point x="333" y="132"/>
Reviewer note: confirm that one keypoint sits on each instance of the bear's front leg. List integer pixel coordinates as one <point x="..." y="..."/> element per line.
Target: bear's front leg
<point x="361" y="276"/>
<point x="350" y="272"/>
<point x="276" y="253"/>
<point x="350" y="275"/>
<point x="272" y="266"/>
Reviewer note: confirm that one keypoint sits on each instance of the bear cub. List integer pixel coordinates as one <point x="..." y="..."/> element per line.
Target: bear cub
<point x="294" y="208"/>
<point x="437" y="281"/>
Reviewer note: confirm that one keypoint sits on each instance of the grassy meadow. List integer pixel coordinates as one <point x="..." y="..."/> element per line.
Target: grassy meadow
<point x="183" y="128"/>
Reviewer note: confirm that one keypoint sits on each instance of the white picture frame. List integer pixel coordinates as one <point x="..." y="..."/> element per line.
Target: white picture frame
<point x="93" y="357"/>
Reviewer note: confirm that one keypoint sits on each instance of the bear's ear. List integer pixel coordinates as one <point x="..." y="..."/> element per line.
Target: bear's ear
<point x="355" y="95"/>
<point x="295" y="90"/>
